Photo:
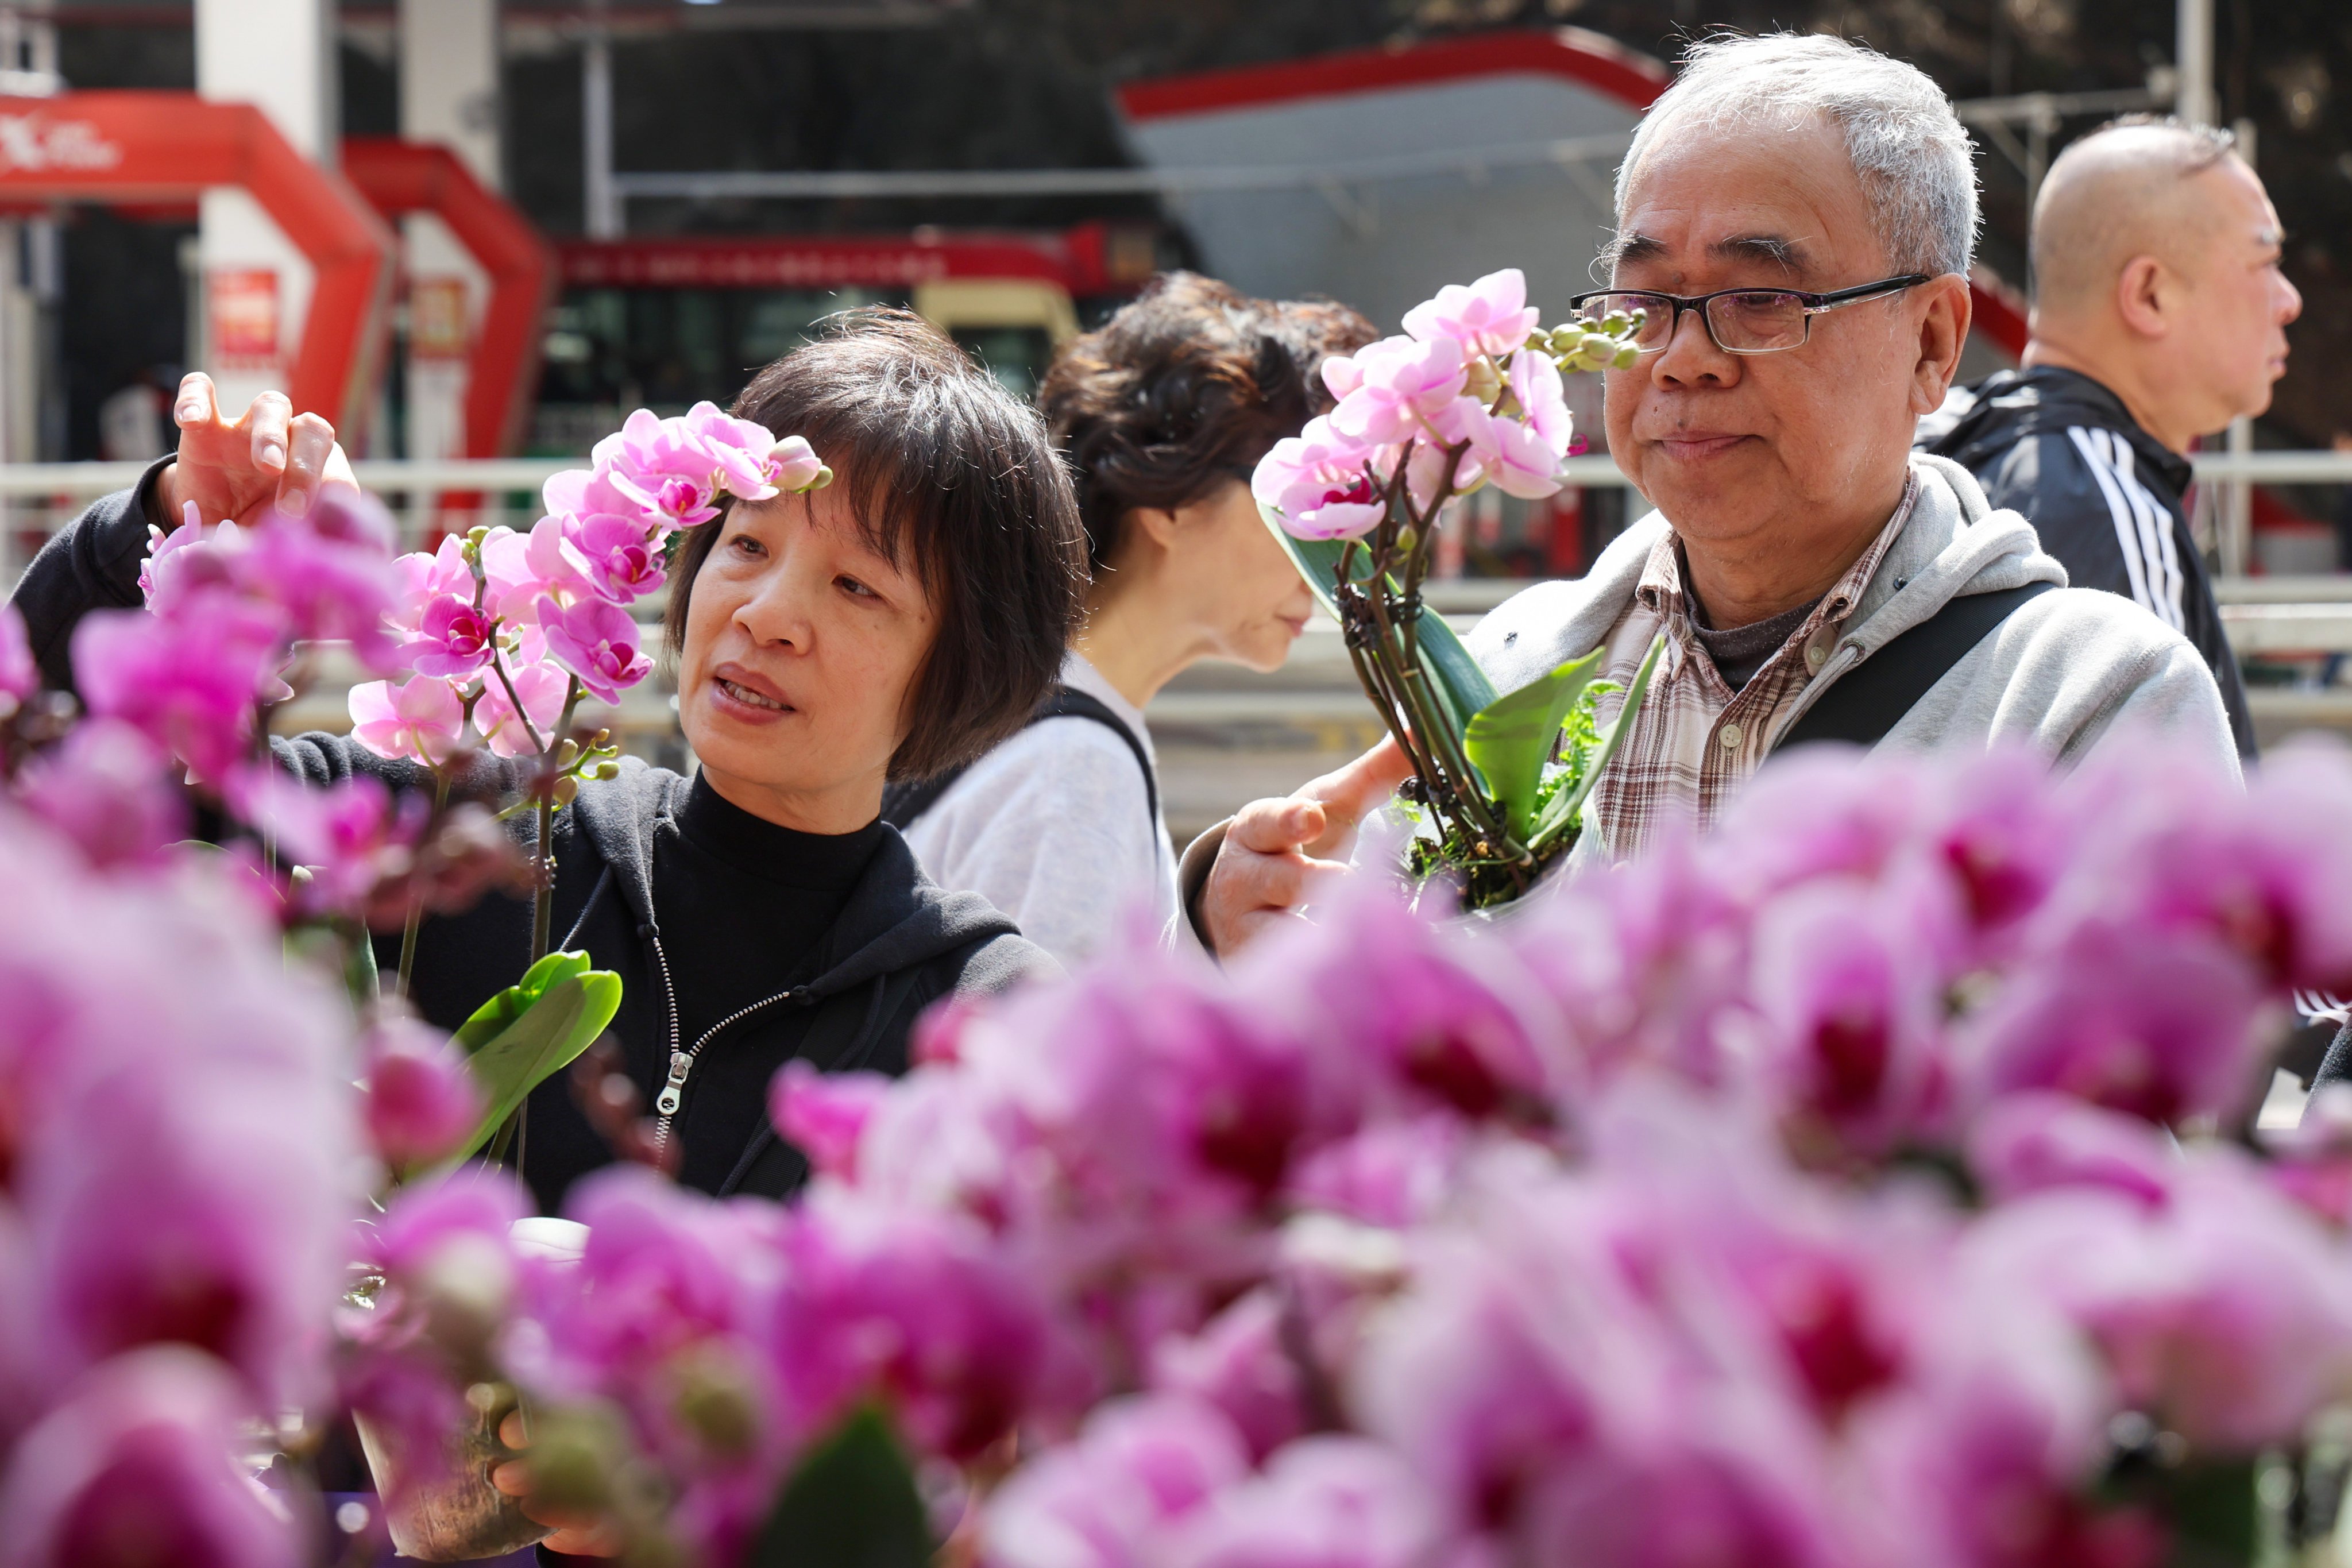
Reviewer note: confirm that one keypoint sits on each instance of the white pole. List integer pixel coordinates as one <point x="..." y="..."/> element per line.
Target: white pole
<point x="604" y="202"/>
<point x="2238" y="495"/>
<point x="2193" y="58"/>
<point x="279" y="55"/>
<point x="448" y="97"/>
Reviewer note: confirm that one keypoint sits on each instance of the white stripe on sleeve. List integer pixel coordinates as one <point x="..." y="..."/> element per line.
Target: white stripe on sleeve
<point x="2127" y="525"/>
<point x="2156" y="534"/>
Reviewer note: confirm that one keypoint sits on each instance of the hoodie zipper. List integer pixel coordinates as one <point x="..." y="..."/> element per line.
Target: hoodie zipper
<point x="681" y="1062"/>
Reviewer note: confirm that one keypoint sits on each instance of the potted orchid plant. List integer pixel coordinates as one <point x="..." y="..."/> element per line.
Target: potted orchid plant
<point x="498" y="632"/>
<point x="1470" y="395"/>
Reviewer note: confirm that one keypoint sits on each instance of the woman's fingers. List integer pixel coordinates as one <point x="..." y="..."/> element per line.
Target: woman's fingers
<point x="198" y="404"/>
<point x="310" y="443"/>
<point x="266" y="426"/>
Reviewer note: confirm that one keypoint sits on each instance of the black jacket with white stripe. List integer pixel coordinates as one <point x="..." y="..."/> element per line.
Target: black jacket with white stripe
<point x="2105" y="499"/>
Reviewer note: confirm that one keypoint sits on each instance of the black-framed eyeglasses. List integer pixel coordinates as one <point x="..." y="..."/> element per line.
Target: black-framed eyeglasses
<point x="1740" y="320"/>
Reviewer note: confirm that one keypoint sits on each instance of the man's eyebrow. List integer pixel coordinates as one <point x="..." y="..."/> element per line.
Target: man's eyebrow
<point x="1772" y="249"/>
<point x="1623" y="247"/>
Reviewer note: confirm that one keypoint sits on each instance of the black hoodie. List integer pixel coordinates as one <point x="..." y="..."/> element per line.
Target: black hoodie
<point x="898" y="944"/>
<point x="2106" y="497"/>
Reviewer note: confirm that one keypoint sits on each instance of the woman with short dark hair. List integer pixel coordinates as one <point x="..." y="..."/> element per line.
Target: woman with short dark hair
<point x="903" y="619"/>
<point x="1162" y="413"/>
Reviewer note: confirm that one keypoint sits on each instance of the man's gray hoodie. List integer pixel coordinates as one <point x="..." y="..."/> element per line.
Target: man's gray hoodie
<point x="2062" y="671"/>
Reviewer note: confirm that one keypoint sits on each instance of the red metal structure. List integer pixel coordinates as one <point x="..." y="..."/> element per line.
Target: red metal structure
<point x="1084" y="260"/>
<point x="502" y="363"/>
<point x="1572" y="54"/>
<point x="163" y="149"/>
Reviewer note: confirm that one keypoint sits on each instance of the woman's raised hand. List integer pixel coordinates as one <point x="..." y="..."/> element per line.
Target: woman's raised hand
<point x="235" y="468"/>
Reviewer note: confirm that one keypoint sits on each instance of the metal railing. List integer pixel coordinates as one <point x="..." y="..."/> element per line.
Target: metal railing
<point x="36" y="499"/>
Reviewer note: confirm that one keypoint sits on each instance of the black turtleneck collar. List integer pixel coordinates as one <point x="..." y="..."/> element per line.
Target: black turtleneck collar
<point x="784" y="856"/>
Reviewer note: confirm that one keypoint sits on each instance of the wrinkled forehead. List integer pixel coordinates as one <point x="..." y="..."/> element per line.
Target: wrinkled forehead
<point x="1722" y="202"/>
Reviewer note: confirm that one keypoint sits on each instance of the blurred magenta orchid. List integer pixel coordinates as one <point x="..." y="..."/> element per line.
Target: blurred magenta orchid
<point x="421" y="1102"/>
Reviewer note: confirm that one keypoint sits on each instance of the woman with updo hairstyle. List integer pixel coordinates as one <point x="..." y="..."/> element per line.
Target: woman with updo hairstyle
<point x="1161" y="413"/>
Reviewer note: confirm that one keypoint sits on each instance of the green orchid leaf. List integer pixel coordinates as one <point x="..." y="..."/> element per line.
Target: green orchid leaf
<point x="493" y="1017"/>
<point x="1461" y="686"/>
<point x="1512" y="738"/>
<point x="851" y="1503"/>
<point x="1568" y="805"/>
<point x="543" y="1039"/>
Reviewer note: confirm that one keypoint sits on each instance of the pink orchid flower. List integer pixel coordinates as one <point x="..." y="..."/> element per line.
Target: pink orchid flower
<point x="1316" y="482"/>
<point x="1490" y="317"/>
<point x="542" y="687"/>
<point x="614" y="555"/>
<point x="419" y="578"/>
<point x="1534" y="381"/>
<point x="741" y="448"/>
<point x="661" y="466"/>
<point x="597" y="642"/>
<point x="454" y="637"/>
<point x="421" y="1098"/>
<point x="1401" y="385"/>
<point x="523" y="568"/>
<point x="188" y="680"/>
<point x="421" y="719"/>
<point x="577" y="493"/>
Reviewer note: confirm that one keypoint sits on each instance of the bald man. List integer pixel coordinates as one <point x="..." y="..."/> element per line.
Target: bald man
<point x="2159" y="315"/>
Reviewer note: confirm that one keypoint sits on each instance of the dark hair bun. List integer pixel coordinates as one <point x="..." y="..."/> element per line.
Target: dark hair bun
<point x="1187" y="386"/>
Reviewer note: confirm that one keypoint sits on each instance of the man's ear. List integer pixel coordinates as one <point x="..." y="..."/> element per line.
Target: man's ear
<point x="1943" y="329"/>
<point x="2144" y="291"/>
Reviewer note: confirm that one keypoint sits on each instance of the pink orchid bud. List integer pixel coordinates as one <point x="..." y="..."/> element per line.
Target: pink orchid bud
<point x="794" y="466"/>
<point x="597" y="642"/>
<point x="421" y="1098"/>
<point x="139" y="1467"/>
<point x="421" y="719"/>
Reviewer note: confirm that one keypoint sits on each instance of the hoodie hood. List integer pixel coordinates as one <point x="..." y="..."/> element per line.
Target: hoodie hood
<point x="1954" y="545"/>
<point x="896" y="919"/>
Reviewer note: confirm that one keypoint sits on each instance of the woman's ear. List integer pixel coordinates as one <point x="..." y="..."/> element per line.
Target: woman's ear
<point x="1160" y="525"/>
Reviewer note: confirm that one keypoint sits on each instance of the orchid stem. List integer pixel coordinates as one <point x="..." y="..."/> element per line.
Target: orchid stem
<point x="416" y="895"/>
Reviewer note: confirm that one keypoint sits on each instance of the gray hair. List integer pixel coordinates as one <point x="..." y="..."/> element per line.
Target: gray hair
<point x="1908" y="148"/>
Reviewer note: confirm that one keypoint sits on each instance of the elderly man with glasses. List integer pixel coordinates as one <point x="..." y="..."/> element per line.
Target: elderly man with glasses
<point x="1795" y="218"/>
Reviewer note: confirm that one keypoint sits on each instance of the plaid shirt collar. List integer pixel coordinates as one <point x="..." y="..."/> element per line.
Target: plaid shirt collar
<point x="1662" y="593"/>
<point x="1696" y="741"/>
